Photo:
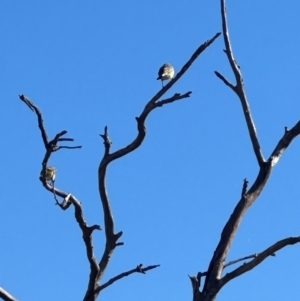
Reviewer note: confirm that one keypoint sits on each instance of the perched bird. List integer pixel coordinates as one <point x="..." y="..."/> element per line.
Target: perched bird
<point x="49" y="173"/>
<point x="166" y="71"/>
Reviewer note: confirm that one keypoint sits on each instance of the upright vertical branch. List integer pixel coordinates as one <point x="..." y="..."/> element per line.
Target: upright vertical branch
<point x="239" y="88"/>
<point x="216" y="265"/>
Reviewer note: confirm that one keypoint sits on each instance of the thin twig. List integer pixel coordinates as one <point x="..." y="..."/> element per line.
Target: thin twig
<point x="240" y="259"/>
<point x="34" y="108"/>
<point x="225" y="81"/>
<point x="194" y="56"/>
<point x="245" y="186"/>
<point x="106" y="141"/>
<point x="68" y="199"/>
<point x="175" y="97"/>
<point x="138" y="269"/>
<point x="260" y="257"/>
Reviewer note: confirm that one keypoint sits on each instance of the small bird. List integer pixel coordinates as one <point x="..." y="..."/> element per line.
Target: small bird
<point x="49" y="174"/>
<point x="166" y="71"/>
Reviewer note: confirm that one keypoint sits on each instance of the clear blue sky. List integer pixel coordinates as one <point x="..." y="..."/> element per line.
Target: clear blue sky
<point x="87" y="64"/>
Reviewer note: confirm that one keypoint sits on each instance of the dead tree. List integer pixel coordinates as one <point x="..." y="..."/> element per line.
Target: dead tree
<point x="66" y="200"/>
<point x="214" y="278"/>
<point x="214" y="281"/>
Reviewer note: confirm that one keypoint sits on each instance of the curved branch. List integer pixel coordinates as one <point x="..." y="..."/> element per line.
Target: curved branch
<point x="151" y="105"/>
<point x="195" y="55"/>
<point x="86" y="230"/>
<point x="68" y="199"/>
<point x="239" y="88"/>
<point x="50" y="146"/>
<point x="225" y="80"/>
<point x="258" y="259"/>
<point x="111" y="238"/>
<point x="176" y="96"/>
<point x="97" y="270"/>
<point x="34" y="108"/>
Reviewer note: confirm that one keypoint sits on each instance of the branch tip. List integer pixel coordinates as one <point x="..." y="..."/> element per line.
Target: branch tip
<point x="95" y="227"/>
<point x="225" y="81"/>
<point x="111" y="238"/>
<point x="245" y="186"/>
<point x="239" y="89"/>
<point x="106" y="141"/>
<point x="138" y="269"/>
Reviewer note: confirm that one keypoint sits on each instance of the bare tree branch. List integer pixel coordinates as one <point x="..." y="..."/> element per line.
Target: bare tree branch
<point x="67" y="147"/>
<point x="68" y="199"/>
<point x="111" y="237"/>
<point x="86" y="231"/>
<point x="97" y="270"/>
<point x="107" y="143"/>
<point x="240" y="259"/>
<point x="49" y="145"/>
<point x="284" y="142"/>
<point x="216" y="265"/>
<point x="138" y="269"/>
<point x="239" y="88"/>
<point x="225" y="81"/>
<point x="195" y="281"/>
<point x="258" y="259"/>
<point x="39" y="116"/>
<point x="176" y="96"/>
<point x="4" y="295"/>
<point x="202" y="274"/>
<point x="195" y="55"/>
<point x="248" y="198"/>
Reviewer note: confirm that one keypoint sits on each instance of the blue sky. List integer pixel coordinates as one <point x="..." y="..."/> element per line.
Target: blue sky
<point x="90" y="64"/>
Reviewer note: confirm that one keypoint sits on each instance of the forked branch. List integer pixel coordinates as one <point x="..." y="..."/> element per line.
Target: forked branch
<point x="216" y="265"/>
<point x="97" y="269"/>
<point x="68" y="199"/>
<point x="153" y="103"/>
<point x="238" y="88"/>
<point x="248" y="197"/>
<point x="257" y="258"/>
